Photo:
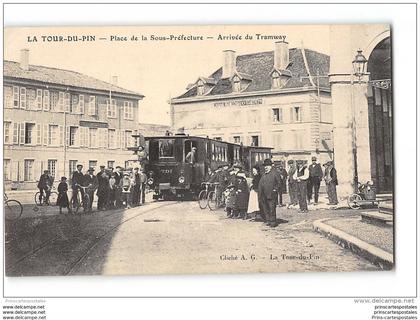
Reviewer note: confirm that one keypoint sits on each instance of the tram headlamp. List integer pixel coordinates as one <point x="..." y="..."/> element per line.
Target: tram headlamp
<point x="150" y="181"/>
<point x="181" y="179"/>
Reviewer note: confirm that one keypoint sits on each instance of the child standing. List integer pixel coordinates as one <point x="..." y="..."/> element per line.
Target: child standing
<point x="63" y="199"/>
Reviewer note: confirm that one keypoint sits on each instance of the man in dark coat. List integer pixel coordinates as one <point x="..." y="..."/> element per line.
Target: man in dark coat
<point x="268" y="192"/>
<point x="331" y="182"/>
<point x="118" y="191"/>
<point x="136" y="187"/>
<point x="45" y="183"/>
<point x="293" y="185"/>
<point x="77" y="180"/>
<point x="283" y="179"/>
<point x="90" y="181"/>
<point x="103" y="188"/>
<point x="314" y="181"/>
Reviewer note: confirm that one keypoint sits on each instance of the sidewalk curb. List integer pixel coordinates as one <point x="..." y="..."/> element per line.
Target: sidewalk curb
<point x="377" y="256"/>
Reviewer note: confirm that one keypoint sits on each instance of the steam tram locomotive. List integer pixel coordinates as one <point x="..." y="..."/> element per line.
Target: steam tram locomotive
<point x="171" y="175"/>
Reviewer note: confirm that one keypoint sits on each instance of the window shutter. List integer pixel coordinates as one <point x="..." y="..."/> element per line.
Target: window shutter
<point x="38" y="169"/>
<point x="23" y="98"/>
<point x="86" y="137"/>
<point x="15" y="133"/>
<point x="61" y="135"/>
<point x="291" y="115"/>
<point x="15" y="97"/>
<point x="22" y="133"/>
<point x="82" y="104"/>
<point x="105" y="133"/>
<point x="46" y="100"/>
<point x="67" y="102"/>
<point x="38" y="134"/>
<point x="77" y="137"/>
<point x="117" y="139"/>
<point x="80" y="136"/>
<point x="67" y="136"/>
<point x="45" y="134"/>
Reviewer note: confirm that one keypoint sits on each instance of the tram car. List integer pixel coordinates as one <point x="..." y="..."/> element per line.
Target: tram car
<point x="171" y="172"/>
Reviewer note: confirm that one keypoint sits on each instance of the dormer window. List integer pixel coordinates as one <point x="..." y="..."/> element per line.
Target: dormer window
<point x="275" y="80"/>
<point x="200" y="87"/>
<point x="236" y="84"/>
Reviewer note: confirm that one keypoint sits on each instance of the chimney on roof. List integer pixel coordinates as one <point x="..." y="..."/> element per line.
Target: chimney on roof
<point x="281" y="55"/>
<point x="115" y="80"/>
<point x="229" y="63"/>
<point x="24" y="59"/>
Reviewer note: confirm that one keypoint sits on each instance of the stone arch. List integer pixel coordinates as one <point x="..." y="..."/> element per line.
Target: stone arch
<point x="375" y="41"/>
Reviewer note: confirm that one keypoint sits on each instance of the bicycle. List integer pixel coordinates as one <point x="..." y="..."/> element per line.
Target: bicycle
<point x="52" y="199"/>
<point x="215" y="201"/>
<point x="203" y="195"/>
<point x="12" y="208"/>
<point x="76" y="205"/>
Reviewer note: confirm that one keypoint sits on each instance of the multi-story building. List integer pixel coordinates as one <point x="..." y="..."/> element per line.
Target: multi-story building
<point x="55" y="119"/>
<point x="278" y="99"/>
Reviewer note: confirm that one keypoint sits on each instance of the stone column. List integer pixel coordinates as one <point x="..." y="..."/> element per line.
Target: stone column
<point x="350" y="110"/>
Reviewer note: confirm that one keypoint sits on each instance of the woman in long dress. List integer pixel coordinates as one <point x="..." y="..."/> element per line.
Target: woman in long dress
<point x="253" y="203"/>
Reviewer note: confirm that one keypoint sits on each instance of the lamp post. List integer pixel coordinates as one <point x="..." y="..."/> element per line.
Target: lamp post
<point x="359" y="70"/>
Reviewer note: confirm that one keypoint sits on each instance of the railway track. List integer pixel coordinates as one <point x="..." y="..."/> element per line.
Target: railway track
<point x="68" y="271"/>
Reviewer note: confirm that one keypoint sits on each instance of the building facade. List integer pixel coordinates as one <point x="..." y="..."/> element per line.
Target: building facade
<point x="279" y="99"/>
<point x="55" y="119"/>
<point x="362" y="107"/>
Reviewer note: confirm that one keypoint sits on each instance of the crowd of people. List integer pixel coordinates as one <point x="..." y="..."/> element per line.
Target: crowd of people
<point x="268" y="185"/>
<point x="117" y="188"/>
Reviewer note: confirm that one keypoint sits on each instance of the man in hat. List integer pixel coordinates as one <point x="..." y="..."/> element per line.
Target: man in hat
<point x="77" y="180"/>
<point x="192" y="156"/>
<point x="118" y="191"/>
<point x="136" y="187"/>
<point x="331" y="182"/>
<point x="283" y="178"/>
<point x="293" y="185"/>
<point x="45" y="184"/>
<point x="268" y="192"/>
<point x="314" y="181"/>
<point x="90" y="181"/>
<point x="302" y="175"/>
<point x="103" y="188"/>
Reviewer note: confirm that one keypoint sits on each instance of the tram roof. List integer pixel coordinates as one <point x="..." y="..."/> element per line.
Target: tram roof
<point x="202" y="138"/>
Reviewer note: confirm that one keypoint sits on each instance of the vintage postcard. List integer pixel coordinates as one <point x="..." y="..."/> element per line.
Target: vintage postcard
<point x="198" y="149"/>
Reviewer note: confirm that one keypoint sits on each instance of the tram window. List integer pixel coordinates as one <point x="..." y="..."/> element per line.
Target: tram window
<point x="188" y="145"/>
<point x="166" y="148"/>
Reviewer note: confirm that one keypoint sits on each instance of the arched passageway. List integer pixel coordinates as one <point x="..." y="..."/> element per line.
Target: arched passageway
<point x="380" y="116"/>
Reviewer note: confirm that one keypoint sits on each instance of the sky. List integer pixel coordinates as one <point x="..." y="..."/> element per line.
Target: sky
<point x="158" y="69"/>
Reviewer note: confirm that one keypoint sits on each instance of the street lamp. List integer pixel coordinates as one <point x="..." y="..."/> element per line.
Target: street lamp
<point x="359" y="64"/>
<point x="359" y="70"/>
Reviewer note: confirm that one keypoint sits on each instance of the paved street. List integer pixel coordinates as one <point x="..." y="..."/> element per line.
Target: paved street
<point x="172" y="237"/>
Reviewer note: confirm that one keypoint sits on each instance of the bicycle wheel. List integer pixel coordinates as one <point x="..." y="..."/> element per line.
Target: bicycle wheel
<point x="212" y="201"/>
<point x="86" y="203"/>
<point x="12" y="209"/>
<point x="354" y="201"/>
<point x="75" y="203"/>
<point x="37" y="202"/>
<point x="202" y="199"/>
<point x="52" y="201"/>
